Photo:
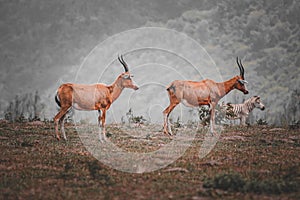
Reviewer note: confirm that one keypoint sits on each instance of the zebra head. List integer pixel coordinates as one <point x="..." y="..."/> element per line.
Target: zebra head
<point x="257" y="103"/>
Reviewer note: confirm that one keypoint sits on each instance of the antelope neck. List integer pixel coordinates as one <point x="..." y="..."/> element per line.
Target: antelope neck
<point x="226" y="86"/>
<point x="116" y="89"/>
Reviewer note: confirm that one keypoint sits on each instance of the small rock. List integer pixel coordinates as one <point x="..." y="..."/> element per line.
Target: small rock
<point x="176" y="169"/>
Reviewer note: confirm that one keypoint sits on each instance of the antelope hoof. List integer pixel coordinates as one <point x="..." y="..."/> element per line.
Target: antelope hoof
<point x="102" y="139"/>
<point x="168" y="133"/>
<point x="58" y="138"/>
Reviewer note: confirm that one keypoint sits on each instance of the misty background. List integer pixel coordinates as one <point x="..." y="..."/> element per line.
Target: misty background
<point x="43" y="44"/>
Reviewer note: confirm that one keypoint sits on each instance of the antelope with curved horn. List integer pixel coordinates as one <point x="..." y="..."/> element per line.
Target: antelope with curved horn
<point x="205" y="92"/>
<point x="91" y="97"/>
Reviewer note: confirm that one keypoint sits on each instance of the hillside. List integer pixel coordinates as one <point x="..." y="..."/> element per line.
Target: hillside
<point x="43" y="43"/>
<point x="265" y="35"/>
<point x="256" y="163"/>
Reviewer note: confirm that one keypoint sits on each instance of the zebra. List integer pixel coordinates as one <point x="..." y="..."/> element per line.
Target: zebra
<point x="241" y="111"/>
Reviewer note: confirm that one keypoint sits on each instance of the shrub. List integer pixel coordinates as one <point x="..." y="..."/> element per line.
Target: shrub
<point x="23" y="108"/>
<point x="97" y="173"/>
<point x="220" y="114"/>
<point x="134" y="119"/>
<point x="261" y="122"/>
<point x="235" y="182"/>
<point x="231" y="182"/>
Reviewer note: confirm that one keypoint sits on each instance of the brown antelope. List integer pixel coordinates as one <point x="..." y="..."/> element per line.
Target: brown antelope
<point x="90" y="97"/>
<point x="205" y="92"/>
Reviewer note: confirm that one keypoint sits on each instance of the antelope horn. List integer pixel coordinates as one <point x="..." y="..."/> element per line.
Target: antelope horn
<point x="241" y="67"/>
<point x="123" y="63"/>
<point x="243" y="71"/>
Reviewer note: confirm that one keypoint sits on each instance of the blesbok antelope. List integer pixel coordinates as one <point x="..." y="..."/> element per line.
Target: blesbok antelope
<point x="241" y="111"/>
<point x="91" y="97"/>
<point x="205" y="92"/>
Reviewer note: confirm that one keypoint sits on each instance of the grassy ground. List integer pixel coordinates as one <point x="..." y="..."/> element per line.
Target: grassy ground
<point x="257" y="162"/>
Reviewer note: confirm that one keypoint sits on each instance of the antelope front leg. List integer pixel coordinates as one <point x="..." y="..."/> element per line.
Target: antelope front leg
<point x="102" y="132"/>
<point x="100" y="127"/>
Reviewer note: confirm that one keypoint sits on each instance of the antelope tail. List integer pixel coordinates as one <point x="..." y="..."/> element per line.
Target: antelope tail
<point x="57" y="100"/>
<point x="171" y="87"/>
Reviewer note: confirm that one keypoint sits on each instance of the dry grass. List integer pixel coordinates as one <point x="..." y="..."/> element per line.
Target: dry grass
<point x="254" y="162"/>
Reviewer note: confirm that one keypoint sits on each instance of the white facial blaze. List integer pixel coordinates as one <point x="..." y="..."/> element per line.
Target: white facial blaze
<point x="243" y="81"/>
<point x="126" y="76"/>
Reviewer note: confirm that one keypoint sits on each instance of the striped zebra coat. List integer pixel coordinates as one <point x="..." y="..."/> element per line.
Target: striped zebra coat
<point x="241" y="111"/>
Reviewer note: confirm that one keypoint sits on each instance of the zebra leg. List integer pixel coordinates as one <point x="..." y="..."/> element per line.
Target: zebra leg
<point x="243" y="121"/>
